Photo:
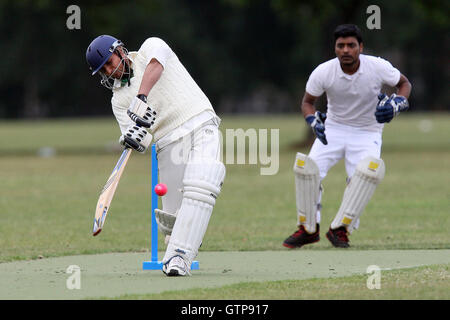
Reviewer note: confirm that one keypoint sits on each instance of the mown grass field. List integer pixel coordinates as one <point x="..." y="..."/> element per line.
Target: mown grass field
<point x="429" y="283"/>
<point x="47" y="200"/>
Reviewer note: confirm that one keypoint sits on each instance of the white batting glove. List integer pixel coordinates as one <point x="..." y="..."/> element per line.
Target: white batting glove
<point x="140" y="112"/>
<point x="165" y="221"/>
<point x="136" y="138"/>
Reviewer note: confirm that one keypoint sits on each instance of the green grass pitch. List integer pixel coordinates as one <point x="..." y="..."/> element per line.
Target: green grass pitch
<point x="52" y="172"/>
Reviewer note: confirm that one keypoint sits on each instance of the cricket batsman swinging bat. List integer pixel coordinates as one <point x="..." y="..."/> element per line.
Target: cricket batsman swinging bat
<point x="108" y="191"/>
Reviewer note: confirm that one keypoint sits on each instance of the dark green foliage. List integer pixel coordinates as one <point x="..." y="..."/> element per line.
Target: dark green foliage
<point x="248" y="56"/>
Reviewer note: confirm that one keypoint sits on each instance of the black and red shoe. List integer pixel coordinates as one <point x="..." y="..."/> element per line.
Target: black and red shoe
<point x="338" y="237"/>
<point x="301" y="237"/>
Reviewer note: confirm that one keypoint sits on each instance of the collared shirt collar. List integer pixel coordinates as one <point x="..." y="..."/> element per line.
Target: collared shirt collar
<point x="360" y="70"/>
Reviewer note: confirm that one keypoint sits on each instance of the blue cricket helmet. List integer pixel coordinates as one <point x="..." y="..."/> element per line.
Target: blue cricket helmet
<point x="100" y="50"/>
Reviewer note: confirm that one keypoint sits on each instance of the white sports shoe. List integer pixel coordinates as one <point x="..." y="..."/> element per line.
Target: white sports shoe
<point x="176" y="266"/>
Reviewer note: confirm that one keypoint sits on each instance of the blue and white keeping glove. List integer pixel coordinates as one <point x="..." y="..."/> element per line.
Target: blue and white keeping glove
<point x="140" y="112"/>
<point x="389" y="107"/>
<point x="316" y="121"/>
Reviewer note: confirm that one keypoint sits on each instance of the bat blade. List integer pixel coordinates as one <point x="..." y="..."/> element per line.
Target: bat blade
<point x="107" y="193"/>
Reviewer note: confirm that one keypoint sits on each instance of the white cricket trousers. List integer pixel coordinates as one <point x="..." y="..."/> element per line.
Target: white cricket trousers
<point x="344" y="142"/>
<point x="203" y="142"/>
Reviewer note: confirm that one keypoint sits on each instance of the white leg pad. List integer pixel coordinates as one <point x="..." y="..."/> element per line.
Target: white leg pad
<point x="307" y="186"/>
<point x="202" y="182"/>
<point x="368" y="174"/>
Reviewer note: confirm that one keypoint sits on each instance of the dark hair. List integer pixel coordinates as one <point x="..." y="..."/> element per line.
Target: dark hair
<point x="347" y="30"/>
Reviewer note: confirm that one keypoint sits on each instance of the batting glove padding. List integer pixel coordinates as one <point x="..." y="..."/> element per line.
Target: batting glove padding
<point x="165" y="221"/>
<point x="317" y="123"/>
<point x="136" y="138"/>
<point x="389" y="107"/>
<point x="141" y="113"/>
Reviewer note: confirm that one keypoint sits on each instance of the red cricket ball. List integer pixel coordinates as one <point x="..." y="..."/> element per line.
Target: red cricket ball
<point x="160" y="189"/>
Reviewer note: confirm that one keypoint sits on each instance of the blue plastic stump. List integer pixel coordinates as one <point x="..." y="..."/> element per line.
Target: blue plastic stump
<point x="154" y="264"/>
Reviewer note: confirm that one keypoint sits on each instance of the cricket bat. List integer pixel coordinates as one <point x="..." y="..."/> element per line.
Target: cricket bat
<point x="107" y="193"/>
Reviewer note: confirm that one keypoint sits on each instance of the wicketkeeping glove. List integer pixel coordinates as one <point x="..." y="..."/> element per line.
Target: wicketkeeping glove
<point x="389" y="107"/>
<point x="140" y="112"/>
<point x="136" y="138"/>
<point x="316" y="121"/>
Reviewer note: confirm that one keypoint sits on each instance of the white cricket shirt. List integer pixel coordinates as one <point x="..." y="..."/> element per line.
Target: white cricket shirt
<point x="352" y="99"/>
<point x="175" y="97"/>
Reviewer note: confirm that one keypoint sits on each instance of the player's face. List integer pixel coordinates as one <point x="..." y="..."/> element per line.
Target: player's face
<point x="347" y="50"/>
<point x="113" y="67"/>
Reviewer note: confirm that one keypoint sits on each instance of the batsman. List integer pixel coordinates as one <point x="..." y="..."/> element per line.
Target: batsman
<point x="154" y="98"/>
<point x="351" y="130"/>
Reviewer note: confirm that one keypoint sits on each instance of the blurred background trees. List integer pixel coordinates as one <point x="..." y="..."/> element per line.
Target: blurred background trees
<point x="248" y="56"/>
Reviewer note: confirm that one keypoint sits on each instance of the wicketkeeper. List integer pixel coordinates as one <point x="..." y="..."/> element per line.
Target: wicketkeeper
<point x="155" y="98"/>
<point x="350" y="130"/>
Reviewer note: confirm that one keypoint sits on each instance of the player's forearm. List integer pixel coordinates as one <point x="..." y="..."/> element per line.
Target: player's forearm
<point x="308" y="109"/>
<point x="151" y="75"/>
<point x="139" y="111"/>
<point x="404" y="87"/>
<point x="308" y="104"/>
<point x="405" y="90"/>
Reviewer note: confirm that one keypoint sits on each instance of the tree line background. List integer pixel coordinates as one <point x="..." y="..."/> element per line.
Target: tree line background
<point x="248" y="56"/>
